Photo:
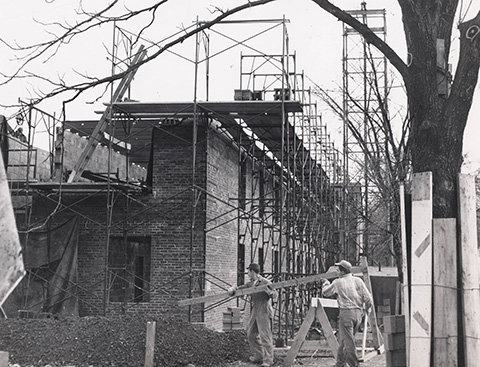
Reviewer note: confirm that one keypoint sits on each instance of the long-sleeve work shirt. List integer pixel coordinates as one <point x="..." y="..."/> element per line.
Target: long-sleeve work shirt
<point x="351" y="292"/>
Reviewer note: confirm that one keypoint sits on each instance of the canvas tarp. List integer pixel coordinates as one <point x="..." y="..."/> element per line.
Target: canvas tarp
<point x="51" y="283"/>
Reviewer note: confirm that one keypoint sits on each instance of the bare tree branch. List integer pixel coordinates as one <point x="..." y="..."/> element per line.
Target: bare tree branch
<point x="95" y="20"/>
<point x="367" y="33"/>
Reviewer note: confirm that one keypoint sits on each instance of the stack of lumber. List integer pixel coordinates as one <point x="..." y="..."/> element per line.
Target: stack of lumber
<point x="395" y="340"/>
<point x="232" y="319"/>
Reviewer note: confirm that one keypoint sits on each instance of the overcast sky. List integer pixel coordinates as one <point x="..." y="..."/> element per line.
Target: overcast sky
<point x="315" y="37"/>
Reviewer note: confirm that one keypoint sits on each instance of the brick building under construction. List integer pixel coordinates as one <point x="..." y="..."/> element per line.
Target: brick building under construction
<point x="157" y="202"/>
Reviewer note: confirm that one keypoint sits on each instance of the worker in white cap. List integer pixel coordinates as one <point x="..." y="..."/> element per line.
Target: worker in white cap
<point x="259" y="330"/>
<point x="353" y="299"/>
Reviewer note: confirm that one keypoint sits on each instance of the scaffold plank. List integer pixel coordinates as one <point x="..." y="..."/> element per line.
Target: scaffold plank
<point x="277" y="285"/>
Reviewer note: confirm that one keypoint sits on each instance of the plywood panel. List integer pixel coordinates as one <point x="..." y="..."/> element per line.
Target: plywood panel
<point x="470" y="271"/>
<point x="405" y="293"/>
<point x="445" y="352"/>
<point x="421" y="282"/>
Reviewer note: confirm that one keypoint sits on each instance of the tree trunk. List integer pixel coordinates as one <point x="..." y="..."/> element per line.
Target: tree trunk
<point x="438" y="119"/>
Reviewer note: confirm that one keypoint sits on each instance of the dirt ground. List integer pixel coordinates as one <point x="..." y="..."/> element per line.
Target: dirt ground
<point x="120" y="342"/>
<point x="321" y="357"/>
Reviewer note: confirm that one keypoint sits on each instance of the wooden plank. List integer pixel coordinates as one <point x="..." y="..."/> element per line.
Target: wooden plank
<point x="277" y="285"/>
<point x="470" y="271"/>
<point x="300" y="337"/>
<point x="103" y="122"/>
<point x="445" y="329"/>
<point x="150" y="344"/>
<point x="364" y="339"/>
<point x="321" y="316"/>
<point x="421" y="296"/>
<point x="376" y="334"/>
<point x="325" y="302"/>
<point x="405" y="293"/>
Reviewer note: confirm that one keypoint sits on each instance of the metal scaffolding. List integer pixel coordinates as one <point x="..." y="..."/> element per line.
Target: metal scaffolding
<point x="289" y="217"/>
<point x="365" y="89"/>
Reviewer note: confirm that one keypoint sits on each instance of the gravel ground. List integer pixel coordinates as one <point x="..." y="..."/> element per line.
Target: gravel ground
<point x="120" y="342"/>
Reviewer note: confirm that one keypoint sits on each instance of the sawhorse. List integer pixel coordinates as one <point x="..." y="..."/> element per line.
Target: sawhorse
<point x="317" y="312"/>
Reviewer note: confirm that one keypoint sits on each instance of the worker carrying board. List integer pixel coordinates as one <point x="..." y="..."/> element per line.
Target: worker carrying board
<point x="353" y="298"/>
<point x="259" y="329"/>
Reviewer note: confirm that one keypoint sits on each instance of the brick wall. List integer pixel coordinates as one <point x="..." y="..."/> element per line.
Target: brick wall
<point x="164" y="216"/>
<point x="221" y="236"/>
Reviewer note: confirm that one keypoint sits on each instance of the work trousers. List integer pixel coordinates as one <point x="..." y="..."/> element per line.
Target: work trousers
<point x="349" y="322"/>
<point x="260" y="339"/>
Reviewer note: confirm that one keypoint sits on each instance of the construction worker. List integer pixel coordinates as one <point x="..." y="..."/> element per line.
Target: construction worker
<point x="259" y="329"/>
<point x="353" y="298"/>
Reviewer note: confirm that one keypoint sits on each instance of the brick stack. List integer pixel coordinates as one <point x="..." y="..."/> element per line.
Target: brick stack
<point x="395" y="340"/>
<point x="232" y="319"/>
<point x="383" y="310"/>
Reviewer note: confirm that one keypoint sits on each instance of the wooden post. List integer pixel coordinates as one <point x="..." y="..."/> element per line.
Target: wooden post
<point x="364" y="338"/>
<point x="421" y="302"/>
<point x="4" y="359"/>
<point x="445" y="317"/>
<point x="470" y="269"/>
<point x="405" y="295"/>
<point x="150" y="344"/>
<point x="372" y="316"/>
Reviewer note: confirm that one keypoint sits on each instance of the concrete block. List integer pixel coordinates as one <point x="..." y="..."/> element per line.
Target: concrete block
<point x="396" y="341"/>
<point x="394" y="324"/>
<point x="384" y="309"/>
<point x="4" y="359"/>
<point x="396" y="358"/>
